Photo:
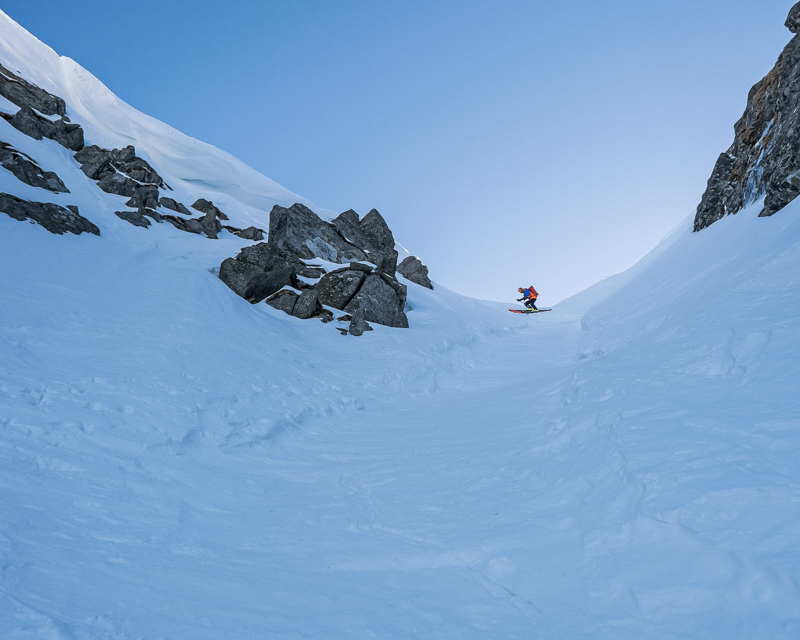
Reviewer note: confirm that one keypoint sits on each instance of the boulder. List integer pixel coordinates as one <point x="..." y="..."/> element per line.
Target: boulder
<point x="173" y="205"/>
<point x="337" y="288"/>
<point x="95" y="162"/>
<point x="284" y="300"/>
<point x="118" y="184"/>
<point x="206" y="206"/>
<point x="56" y="219"/>
<point x="25" y="94"/>
<point x="301" y="232"/>
<point x="378" y="302"/>
<point x="134" y="217"/>
<point x="307" y="305"/>
<point x="37" y="127"/>
<point x="126" y="161"/>
<point x="358" y="325"/>
<point x="349" y="226"/>
<point x="210" y="225"/>
<point x="793" y="21"/>
<point x="145" y="197"/>
<point x="259" y="271"/>
<point x="412" y="269"/>
<point x="27" y="171"/>
<point x="251" y="233"/>
<point x="383" y="253"/>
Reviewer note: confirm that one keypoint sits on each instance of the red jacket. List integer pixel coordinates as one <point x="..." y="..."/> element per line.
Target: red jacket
<point x="530" y="293"/>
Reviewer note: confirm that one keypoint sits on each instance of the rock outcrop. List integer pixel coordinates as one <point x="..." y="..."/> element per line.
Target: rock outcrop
<point x="23" y="94"/>
<point x="764" y="159"/>
<point x="60" y="130"/>
<point x="27" y="171"/>
<point x="300" y="231"/>
<point x="55" y="218"/>
<point x="412" y="269"/>
<point x="368" y="292"/>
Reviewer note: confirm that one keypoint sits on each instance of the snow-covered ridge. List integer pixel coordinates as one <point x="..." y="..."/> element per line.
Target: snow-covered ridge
<point x="188" y="164"/>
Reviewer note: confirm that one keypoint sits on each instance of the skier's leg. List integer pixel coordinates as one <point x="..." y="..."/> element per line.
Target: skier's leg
<point x="533" y="304"/>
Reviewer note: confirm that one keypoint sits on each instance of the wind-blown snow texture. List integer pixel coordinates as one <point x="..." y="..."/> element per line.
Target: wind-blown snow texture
<point x="176" y="463"/>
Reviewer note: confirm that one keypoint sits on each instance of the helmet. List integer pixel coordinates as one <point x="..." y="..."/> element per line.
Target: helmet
<point x="520" y="289"/>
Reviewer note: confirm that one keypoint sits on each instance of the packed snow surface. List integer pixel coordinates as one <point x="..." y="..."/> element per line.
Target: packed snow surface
<point x="178" y="464"/>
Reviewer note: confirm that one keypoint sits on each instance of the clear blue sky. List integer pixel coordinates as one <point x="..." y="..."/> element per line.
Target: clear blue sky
<point x="507" y="142"/>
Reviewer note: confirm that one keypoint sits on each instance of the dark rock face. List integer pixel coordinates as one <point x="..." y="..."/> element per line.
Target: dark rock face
<point x="173" y="205"/>
<point x="54" y="218"/>
<point x="97" y="163"/>
<point x="793" y="21"/>
<point x="371" y="234"/>
<point x="65" y="133"/>
<point x="283" y="300"/>
<point x="367" y="293"/>
<point x="251" y="233"/>
<point x="27" y="171"/>
<point x="206" y="206"/>
<point x="337" y="288"/>
<point x="134" y="217"/>
<point x="413" y="269"/>
<point x="377" y="301"/>
<point x="307" y="305"/>
<point x="259" y="271"/>
<point x="24" y="94"/>
<point x="301" y="232"/>
<point x="764" y="159"/>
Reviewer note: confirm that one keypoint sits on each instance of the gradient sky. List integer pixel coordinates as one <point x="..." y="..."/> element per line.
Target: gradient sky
<point x="506" y="142"/>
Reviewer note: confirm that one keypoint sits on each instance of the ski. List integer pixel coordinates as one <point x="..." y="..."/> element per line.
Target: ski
<point x="527" y="311"/>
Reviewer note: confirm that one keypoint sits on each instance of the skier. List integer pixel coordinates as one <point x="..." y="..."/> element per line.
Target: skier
<point x="528" y="298"/>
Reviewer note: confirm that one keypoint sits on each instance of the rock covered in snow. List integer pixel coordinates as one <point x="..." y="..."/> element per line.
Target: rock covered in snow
<point x="62" y="131"/>
<point x="24" y="94"/>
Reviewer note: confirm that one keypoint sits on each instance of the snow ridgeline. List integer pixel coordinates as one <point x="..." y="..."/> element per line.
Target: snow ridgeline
<point x="176" y="463"/>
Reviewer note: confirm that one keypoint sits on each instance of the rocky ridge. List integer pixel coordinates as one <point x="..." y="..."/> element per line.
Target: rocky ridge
<point x="764" y="159"/>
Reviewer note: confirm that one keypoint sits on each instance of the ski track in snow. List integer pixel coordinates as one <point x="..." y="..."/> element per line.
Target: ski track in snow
<point x="178" y="463"/>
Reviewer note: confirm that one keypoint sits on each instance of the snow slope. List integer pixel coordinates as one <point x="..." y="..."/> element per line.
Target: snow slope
<point x="192" y="168"/>
<point x="176" y="463"/>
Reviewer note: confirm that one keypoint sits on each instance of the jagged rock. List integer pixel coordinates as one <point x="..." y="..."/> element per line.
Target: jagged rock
<point x="345" y="318"/>
<point x="251" y="233"/>
<point x="375" y="228"/>
<point x="349" y="226"/>
<point x="307" y="305"/>
<point x="325" y="315"/>
<point x="145" y="197"/>
<point x="259" y="271"/>
<point x="358" y="325"/>
<point x="37" y="127"/>
<point x="284" y="300"/>
<point x="764" y="159"/>
<point x="301" y="232"/>
<point x="155" y="215"/>
<point x="118" y="184"/>
<point x="95" y="162"/>
<point x="173" y="205"/>
<point x="27" y="171"/>
<point x="378" y="302"/>
<point x="54" y="218"/>
<point x="400" y="290"/>
<point x="793" y="20"/>
<point x="412" y="269"/>
<point x="337" y="288"/>
<point x="206" y="206"/>
<point x="24" y="94"/>
<point x="210" y="225"/>
<point x="134" y="217"/>
<point x="371" y="234"/>
<point x="311" y="271"/>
